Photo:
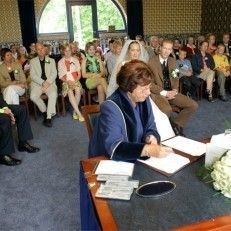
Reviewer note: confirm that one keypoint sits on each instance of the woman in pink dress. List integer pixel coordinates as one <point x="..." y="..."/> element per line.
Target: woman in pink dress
<point x="69" y="72"/>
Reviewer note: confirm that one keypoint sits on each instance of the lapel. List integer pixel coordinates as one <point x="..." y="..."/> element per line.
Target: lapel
<point x="159" y="68"/>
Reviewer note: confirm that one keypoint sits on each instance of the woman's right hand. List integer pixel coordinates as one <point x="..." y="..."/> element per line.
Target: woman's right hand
<point x="156" y="150"/>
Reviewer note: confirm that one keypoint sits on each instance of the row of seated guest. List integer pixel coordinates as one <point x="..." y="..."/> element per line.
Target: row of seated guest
<point x="194" y="53"/>
<point x="43" y="74"/>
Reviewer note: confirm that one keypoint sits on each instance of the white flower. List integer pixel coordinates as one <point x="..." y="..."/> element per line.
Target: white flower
<point x="221" y="175"/>
<point x="226" y="160"/>
<point x="174" y="73"/>
<point x="216" y="186"/>
<point x="16" y="71"/>
<point x="226" y="193"/>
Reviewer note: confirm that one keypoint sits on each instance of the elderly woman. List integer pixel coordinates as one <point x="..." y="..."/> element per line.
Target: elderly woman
<point x="12" y="78"/>
<point x="126" y="128"/>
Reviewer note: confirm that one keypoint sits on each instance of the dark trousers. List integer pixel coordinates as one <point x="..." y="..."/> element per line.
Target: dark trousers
<point x="190" y="85"/>
<point x="23" y="129"/>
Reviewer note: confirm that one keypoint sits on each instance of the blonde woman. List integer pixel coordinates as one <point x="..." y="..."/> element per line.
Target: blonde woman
<point x="93" y="71"/>
<point x="69" y="73"/>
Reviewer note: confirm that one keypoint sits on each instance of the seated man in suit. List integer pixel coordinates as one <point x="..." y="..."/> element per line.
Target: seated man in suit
<point x="164" y="90"/>
<point x="11" y="114"/>
<point x="43" y="73"/>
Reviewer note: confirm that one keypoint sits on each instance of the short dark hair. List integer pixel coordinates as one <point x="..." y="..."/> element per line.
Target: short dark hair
<point x="88" y="45"/>
<point x="133" y="73"/>
<point x="3" y="52"/>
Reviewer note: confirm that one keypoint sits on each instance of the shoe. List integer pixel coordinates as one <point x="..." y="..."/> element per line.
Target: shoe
<point x="28" y="148"/>
<point x="75" y="117"/>
<point x="223" y="98"/>
<point x="9" y="160"/>
<point x="47" y="123"/>
<point x="211" y="99"/>
<point x="81" y="119"/>
<point x="177" y="129"/>
<point x="44" y="114"/>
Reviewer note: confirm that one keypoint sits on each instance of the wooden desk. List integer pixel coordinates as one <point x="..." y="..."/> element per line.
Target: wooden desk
<point x="108" y="221"/>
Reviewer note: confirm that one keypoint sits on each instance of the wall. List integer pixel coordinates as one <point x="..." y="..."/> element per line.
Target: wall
<point x="216" y="16"/>
<point x="10" y="30"/>
<point x="178" y="17"/>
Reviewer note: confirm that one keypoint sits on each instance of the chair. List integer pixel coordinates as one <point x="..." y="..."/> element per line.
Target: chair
<point x="24" y="99"/>
<point x="90" y="93"/>
<point x="88" y="111"/>
<point x="199" y="91"/>
<point x="45" y="97"/>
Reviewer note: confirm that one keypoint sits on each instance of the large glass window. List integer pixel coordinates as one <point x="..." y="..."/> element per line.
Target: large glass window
<point x="54" y="17"/>
<point x="108" y="14"/>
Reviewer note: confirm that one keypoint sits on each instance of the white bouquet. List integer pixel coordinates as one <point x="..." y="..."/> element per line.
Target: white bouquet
<point x="174" y="73"/>
<point x="221" y="175"/>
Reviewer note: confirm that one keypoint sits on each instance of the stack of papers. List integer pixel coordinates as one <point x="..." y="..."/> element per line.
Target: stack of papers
<point x="169" y="164"/>
<point x="111" y="167"/>
<point x="116" y="187"/>
<point x="183" y="144"/>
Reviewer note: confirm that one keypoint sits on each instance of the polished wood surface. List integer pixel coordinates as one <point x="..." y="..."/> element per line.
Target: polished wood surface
<point x="108" y="222"/>
<point x="220" y="223"/>
<point x="106" y="218"/>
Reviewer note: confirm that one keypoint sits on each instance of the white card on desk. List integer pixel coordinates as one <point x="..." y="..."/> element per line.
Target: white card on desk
<point x="222" y="140"/>
<point x="213" y="153"/>
<point x="168" y="164"/>
<point x="183" y="144"/>
<point x="112" y="167"/>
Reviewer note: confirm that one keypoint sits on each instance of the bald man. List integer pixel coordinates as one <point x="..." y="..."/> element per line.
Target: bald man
<point x="43" y="73"/>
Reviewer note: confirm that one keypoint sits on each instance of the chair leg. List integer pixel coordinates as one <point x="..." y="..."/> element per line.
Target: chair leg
<point x="57" y="107"/>
<point x="35" y="111"/>
<point x="63" y="105"/>
<point x="89" y="98"/>
<point x="84" y="98"/>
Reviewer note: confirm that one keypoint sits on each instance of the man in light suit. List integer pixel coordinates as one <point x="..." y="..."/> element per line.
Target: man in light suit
<point x="43" y="73"/>
<point x="164" y="90"/>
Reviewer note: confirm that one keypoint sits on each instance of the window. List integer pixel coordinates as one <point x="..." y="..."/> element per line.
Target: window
<point x="54" y="17"/>
<point x="108" y="14"/>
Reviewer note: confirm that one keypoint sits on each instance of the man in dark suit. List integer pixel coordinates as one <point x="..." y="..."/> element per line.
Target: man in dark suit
<point x="165" y="84"/>
<point x="14" y="114"/>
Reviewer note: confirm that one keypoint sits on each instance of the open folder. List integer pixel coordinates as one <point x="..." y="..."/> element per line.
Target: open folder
<point x="172" y="163"/>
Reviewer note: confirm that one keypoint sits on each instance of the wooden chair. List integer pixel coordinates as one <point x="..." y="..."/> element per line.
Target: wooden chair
<point x="24" y="99"/>
<point x="199" y="90"/>
<point x="88" y="111"/>
<point x="62" y="98"/>
<point x="91" y="93"/>
<point x="45" y="97"/>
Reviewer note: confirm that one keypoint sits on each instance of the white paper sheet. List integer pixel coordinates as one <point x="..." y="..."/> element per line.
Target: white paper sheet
<point x="114" y="168"/>
<point x="168" y="164"/>
<point x="222" y="140"/>
<point x="191" y="147"/>
<point x="213" y="153"/>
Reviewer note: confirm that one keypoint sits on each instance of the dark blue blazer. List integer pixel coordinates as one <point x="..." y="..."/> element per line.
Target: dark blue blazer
<point x="197" y="62"/>
<point x="115" y="133"/>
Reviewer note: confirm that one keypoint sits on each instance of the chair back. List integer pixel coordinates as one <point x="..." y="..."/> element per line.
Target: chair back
<point x="89" y="113"/>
